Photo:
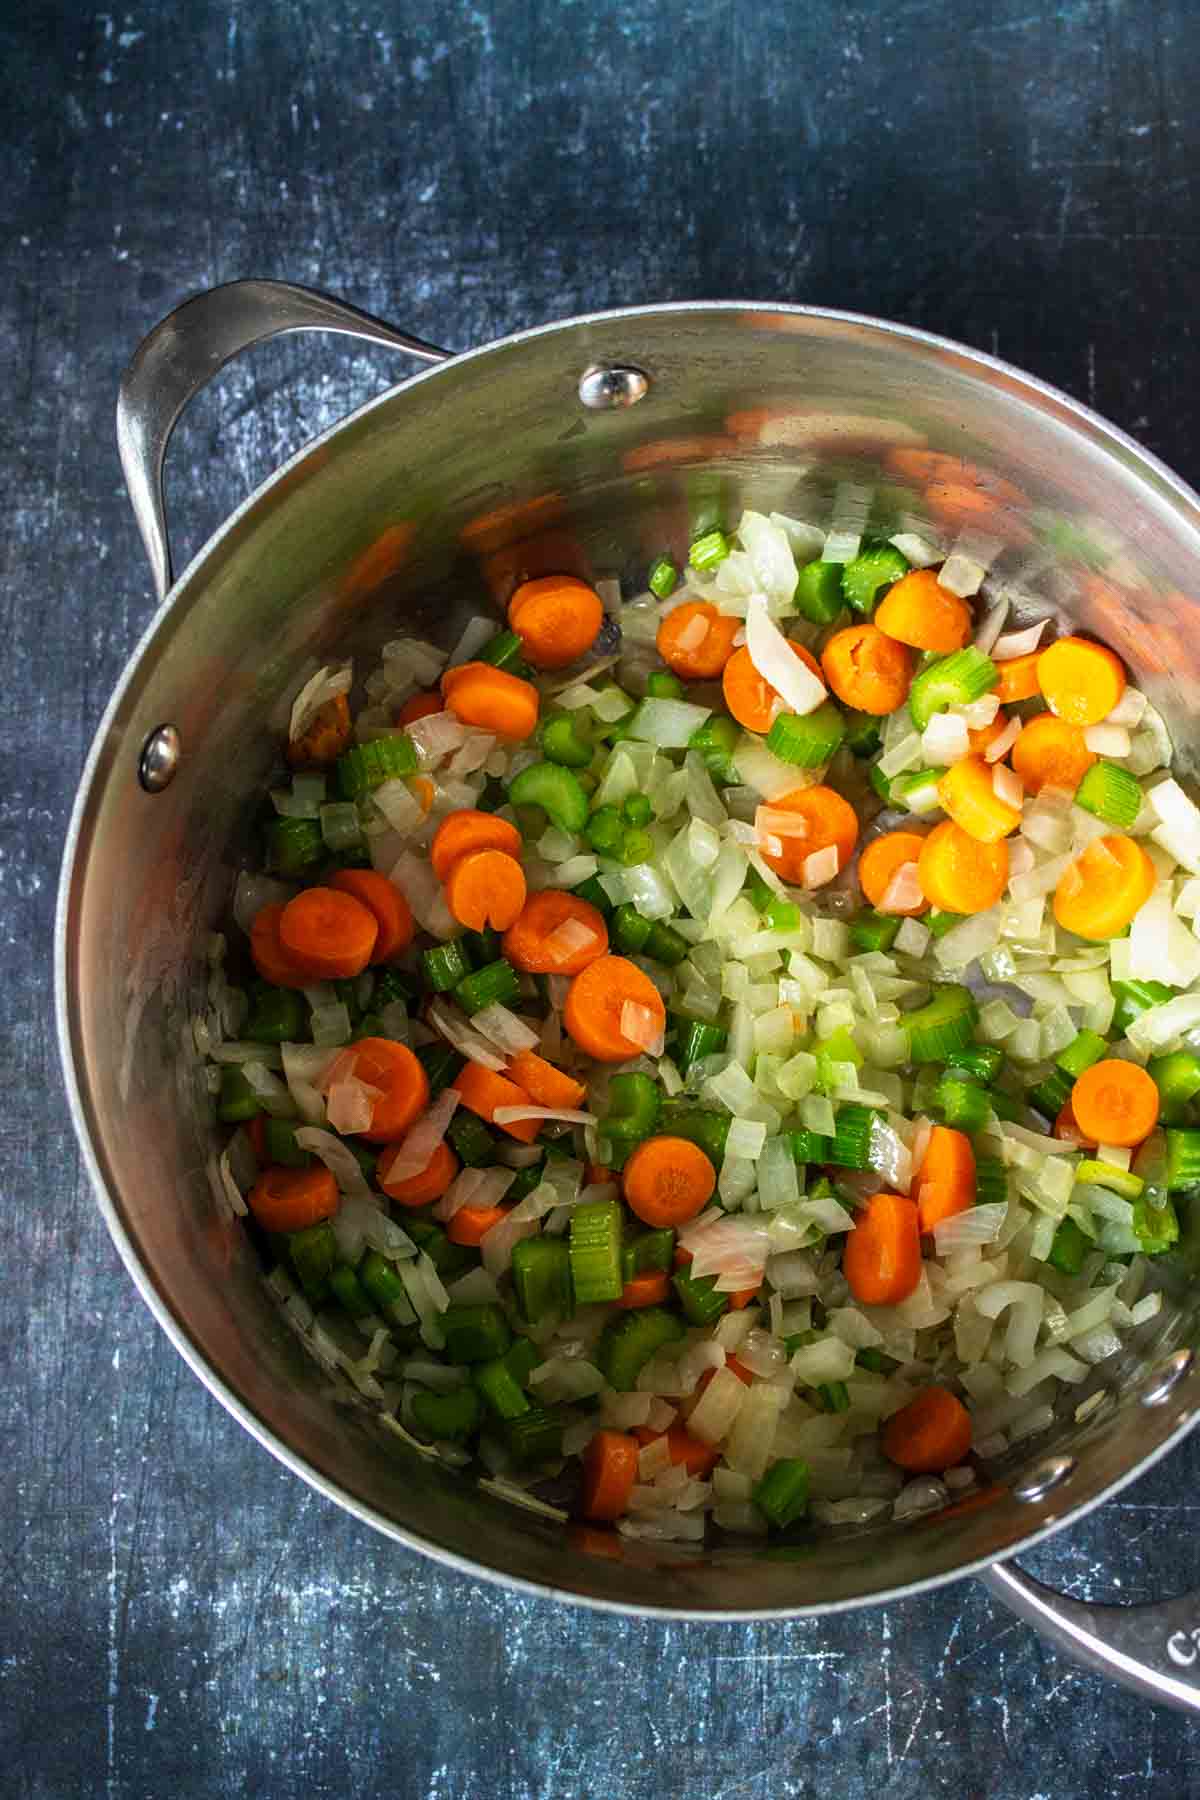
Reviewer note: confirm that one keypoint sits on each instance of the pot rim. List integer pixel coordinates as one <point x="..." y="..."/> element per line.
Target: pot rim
<point x="1048" y="398"/>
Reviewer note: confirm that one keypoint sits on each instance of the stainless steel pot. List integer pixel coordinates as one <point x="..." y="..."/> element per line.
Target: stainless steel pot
<point x="591" y="442"/>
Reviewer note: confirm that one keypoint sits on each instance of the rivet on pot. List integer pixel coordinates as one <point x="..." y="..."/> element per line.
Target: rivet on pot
<point x="1166" y="1378"/>
<point x="1043" y="1478"/>
<point x="159" y="760"/>
<point x="604" y="386"/>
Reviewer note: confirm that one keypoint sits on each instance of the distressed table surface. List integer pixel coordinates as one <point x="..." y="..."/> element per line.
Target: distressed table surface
<point x="177" y="1614"/>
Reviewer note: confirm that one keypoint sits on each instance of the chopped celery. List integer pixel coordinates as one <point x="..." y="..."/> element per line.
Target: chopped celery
<point x="782" y="1494"/>
<point x="961" y="1102"/>
<point x="349" y="1292"/>
<point x="627" y="1343"/>
<point x="715" y="742"/>
<point x="695" y="1038"/>
<point x="591" y="891"/>
<point x="984" y="1061"/>
<point x="851" y="1144"/>
<point x="450" y="1417"/>
<point x="633" y="1107"/>
<point x="595" y="1252"/>
<point x="1155" y="1227"/>
<point x="496" y="985"/>
<point x="294" y="845"/>
<point x="875" y="568"/>
<point x="807" y="739"/>
<point x="818" y="592"/>
<point x="650" y="1252"/>
<point x="314" y="1256"/>
<point x="369" y="765"/>
<point x="504" y="651"/>
<point x="708" y="550"/>
<point x="698" y="1296"/>
<point x="563" y="742"/>
<point x="1183" y="1158"/>
<point x="863" y="733"/>
<point x="1133" y="999"/>
<point x="809" y="1146"/>
<point x="556" y="790"/>
<point x="279" y="1142"/>
<point x="953" y="680"/>
<point x="277" y="1015"/>
<point x="1111" y="793"/>
<point x="605" y="831"/>
<point x="534" y="1437"/>
<point x="1177" y="1078"/>
<point x="944" y="1024"/>
<point x="663" y="577"/>
<point x="445" y="965"/>
<point x="874" y="930"/>
<point x="441" y="1063"/>
<point x="1084" y="1050"/>
<point x="701" y="1126"/>
<point x="236" y="1099"/>
<point x="1052" y="1094"/>
<point x="991" y="1181"/>
<point x="1069" y="1248"/>
<point x="471" y="1140"/>
<point x="475" y="1334"/>
<point x="1107" y="1175"/>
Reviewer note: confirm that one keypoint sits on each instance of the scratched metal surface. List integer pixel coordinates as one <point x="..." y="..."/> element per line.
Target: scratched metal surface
<point x="178" y="1615"/>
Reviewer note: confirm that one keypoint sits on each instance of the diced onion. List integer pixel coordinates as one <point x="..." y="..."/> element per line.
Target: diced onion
<point x="510" y="1115"/>
<point x="642" y="1027"/>
<point x="1161" y="948"/>
<point x="991" y="625"/>
<point x="325" y="685"/>
<point x="474" y="1187"/>
<point x="945" y="739"/>
<point x="903" y="892"/>
<point x="504" y="1029"/>
<point x="821" y="867"/>
<point x="1018" y="643"/>
<point x="338" y="1159"/>
<point x="350" y="1104"/>
<point x="1001" y="745"/>
<point x="418" y="1146"/>
<point x="777" y="663"/>
<point x="568" y="938"/>
<point x="252" y="892"/>
<point x="1007" y="786"/>
<point x="1107" y="740"/>
<point x="450" y="1024"/>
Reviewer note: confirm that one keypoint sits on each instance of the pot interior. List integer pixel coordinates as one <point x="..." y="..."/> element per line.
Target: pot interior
<point x="425" y="508"/>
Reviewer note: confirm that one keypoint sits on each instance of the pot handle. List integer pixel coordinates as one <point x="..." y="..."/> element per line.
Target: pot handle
<point x="1153" y="1648"/>
<point x="182" y="354"/>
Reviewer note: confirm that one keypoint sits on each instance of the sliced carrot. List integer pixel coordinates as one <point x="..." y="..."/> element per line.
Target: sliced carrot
<point x="491" y="699"/>
<point x="829" y="819"/>
<point x="882" y="1256"/>
<point x="610" y="1466"/>
<point x="697" y="1457"/>
<point x="1115" y="1102"/>
<point x="980" y="737"/>
<point x="1017" y="679"/>
<point x="595" y="1174"/>
<point x="471" y="1224"/>
<point x="958" y="873"/>
<point x="292" y="1199"/>
<point x="401" y="1082"/>
<point x="741" y="1298"/>
<point x="1098" y="894"/>
<point x="268" y="954"/>
<point x="1051" y="752"/>
<point x="483" y="1091"/>
<point x="697" y="655"/>
<point x="256" y="1131"/>
<point x="486" y="887"/>
<point x="917" y="610"/>
<point x="1082" y="681"/>
<point x="329" y="933"/>
<point x="533" y="945"/>
<point x="324" y="737"/>
<point x="945" y="1182"/>
<point x="881" y="861"/>
<point x="930" y="1434"/>
<point x="467" y="830"/>
<point x="421" y="789"/>
<point x="420" y="706"/>
<point x="731" y="1363"/>
<point x="750" y="698"/>
<point x="393" y="914"/>
<point x="1066" y="1128"/>
<point x="596" y="1001"/>
<point x="650" y="1289"/>
<point x="667" y="1181"/>
<point x="546" y="1085"/>
<point x="557" y="618"/>
<point x="430" y="1183"/>
<point x="967" y="793"/>
<point x="866" y="669"/>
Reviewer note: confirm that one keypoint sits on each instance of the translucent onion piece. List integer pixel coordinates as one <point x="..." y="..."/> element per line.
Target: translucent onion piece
<point x="1018" y="643"/>
<point x="903" y="890"/>
<point x="773" y="657"/>
<point x="1001" y="745"/>
<point x="642" y="1027"/>
<point x="324" y="685"/>
<point x="414" y="1154"/>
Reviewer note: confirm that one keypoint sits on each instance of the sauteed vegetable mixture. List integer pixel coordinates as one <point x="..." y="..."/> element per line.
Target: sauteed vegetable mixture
<point x="735" y="1068"/>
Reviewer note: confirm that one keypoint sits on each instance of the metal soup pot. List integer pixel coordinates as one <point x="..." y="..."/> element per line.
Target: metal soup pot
<point x="590" y="445"/>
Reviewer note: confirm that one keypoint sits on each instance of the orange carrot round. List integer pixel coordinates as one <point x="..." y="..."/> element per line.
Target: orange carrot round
<point x="610" y="1466"/>
<point x="546" y="1085"/>
<point x="1017" y="679"/>
<point x="917" y="610"/>
<point x="866" y="669"/>
<point x="268" y="954"/>
<point x="705" y="658"/>
<point x="830" y="820"/>
<point x="958" y="873"/>
<point x="382" y="898"/>
<point x="483" y="1091"/>
<point x="1051" y="752"/>
<point x="530" y="943"/>
<point x="596" y="1001"/>
<point x="881" y="861"/>
<point x="292" y="1199"/>
<point x="329" y="933"/>
<point x="420" y="706"/>
<point x="882" y="1256"/>
<point x="471" y="1224"/>
<point x="557" y="618"/>
<point x="324" y="737"/>
<point x="399" y="1076"/>
<point x="486" y="887"/>
<point x="751" y="699"/>
<point x="491" y="700"/>
<point x="945" y="1181"/>
<point x="430" y="1183"/>
<point x="930" y="1434"/>
<point x="967" y="794"/>
<point x="467" y="830"/>
<point x="668" y="1180"/>
<point x="650" y="1289"/>
<point x="1082" y="681"/>
<point x="1115" y="1102"/>
<point x="1098" y="894"/>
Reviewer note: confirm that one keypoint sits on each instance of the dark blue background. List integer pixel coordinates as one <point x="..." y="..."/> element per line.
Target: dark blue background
<point x="177" y="1615"/>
